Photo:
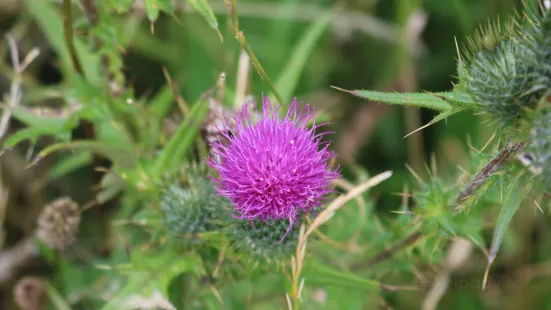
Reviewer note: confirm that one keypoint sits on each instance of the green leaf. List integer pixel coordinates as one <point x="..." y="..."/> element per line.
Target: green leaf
<point x="51" y="24"/>
<point x="56" y="299"/>
<point x="203" y="7"/>
<point x="458" y="99"/>
<point x="442" y="101"/>
<point x="178" y="145"/>
<point x="317" y="274"/>
<point x="423" y="100"/>
<point x="150" y="273"/>
<point x="120" y="156"/>
<point x="110" y="186"/>
<point x="69" y="164"/>
<point x="161" y="103"/>
<point x="288" y="79"/>
<point x="33" y="134"/>
<point x="56" y="120"/>
<point x="151" y="9"/>
<point x="511" y="202"/>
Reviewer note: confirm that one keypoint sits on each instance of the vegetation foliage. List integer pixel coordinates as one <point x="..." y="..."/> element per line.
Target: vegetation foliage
<point x="111" y="106"/>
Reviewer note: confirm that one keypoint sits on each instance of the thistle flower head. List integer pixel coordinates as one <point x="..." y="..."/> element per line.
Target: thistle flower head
<point x="273" y="168"/>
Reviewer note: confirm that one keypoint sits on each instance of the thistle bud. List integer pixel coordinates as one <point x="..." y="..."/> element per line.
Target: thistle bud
<point x="189" y="206"/>
<point x="540" y="148"/>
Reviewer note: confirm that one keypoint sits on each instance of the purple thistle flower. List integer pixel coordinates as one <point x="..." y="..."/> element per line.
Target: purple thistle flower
<point x="273" y="169"/>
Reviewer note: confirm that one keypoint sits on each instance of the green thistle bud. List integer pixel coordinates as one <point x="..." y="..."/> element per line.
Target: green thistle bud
<point x="434" y="204"/>
<point x="190" y="209"/>
<point x="260" y="240"/>
<point x="498" y="80"/>
<point x="507" y="69"/>
<point x="537" y="37"/>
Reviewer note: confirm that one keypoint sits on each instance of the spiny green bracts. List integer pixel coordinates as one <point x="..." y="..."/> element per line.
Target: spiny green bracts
<point x="189" y="206"/>
<point x="260" y="241"/>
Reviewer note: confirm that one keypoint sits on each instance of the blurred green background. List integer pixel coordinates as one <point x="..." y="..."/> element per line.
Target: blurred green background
<point x="400" y="45"/>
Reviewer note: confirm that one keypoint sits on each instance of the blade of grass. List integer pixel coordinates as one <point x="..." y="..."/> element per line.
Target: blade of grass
<point x="56" y="299"/>
<point x="120" y="156"/>
<point x="510" y="206"/>
<point x="318" y="274"/>
<point x="232" y="8"/>
<point x="160" y="104"/>
<point x="204" y="9"/>
<point x="288" y="80"/>
<point x="179" y="144"/>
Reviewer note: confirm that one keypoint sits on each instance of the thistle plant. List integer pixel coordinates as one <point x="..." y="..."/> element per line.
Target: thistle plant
<point x="207" y="194"/>
<point x="274" y="169"/>
<point x="503" y="73"/>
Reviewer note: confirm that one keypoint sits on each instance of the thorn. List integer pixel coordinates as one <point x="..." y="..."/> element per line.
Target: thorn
<point x="537" y="204"/>
<point x="457" y="49"/>
<point x="216" y="294"/>
<point x="488" y="143"/>
<point x="485" y="280"/>
<point x="220" y="35"/>
<point x="219" y="263"/>
<point x="419" y="129"/>
<point x="433" y="164"/>
<point x="34" y="162"/>
<point x="431" y="176"/>
<point x="342" y="89"/>
<point x="415" y="175"/>
<point x="404" y="194"/>
<point x="402" y="212"/>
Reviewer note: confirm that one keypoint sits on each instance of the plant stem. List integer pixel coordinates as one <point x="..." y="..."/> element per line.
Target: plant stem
<point x="492" y="167"/>
<point x="389" y="253"/>
<point x="232" y="8"/>
<point x="93" y="17"/>
<point x="91" y="11"/>
<point x="56" y="299"/>
<point x="68" y="32"/>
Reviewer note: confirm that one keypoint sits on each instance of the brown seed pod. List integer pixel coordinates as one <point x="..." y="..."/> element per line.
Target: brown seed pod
<point x="29" y="293"/>
<point x="58" y="223"/>
<point x="220" y="120"/>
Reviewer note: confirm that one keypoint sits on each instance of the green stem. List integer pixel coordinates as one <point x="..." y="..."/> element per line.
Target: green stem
<point x="68" y="32"/>
<point x="232" y="8"/>
<point x="258" y="67"/>
<point x="56" y="299"/>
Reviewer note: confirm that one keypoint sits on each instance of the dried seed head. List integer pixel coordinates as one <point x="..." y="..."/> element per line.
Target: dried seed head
<point x="219" y="121"/>
<point x="58" y="223"/>
<point x="215" y="122"/>
<point x="29" y="293"/>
